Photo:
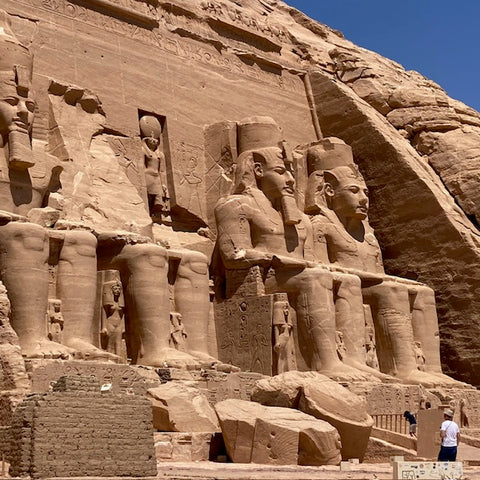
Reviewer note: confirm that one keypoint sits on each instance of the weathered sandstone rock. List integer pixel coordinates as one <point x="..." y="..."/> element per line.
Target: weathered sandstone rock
<point x="415" y="146"/>
<point x="180" y="408"/>
<point x="259" y="434"/>
<point x="322" y="398"/>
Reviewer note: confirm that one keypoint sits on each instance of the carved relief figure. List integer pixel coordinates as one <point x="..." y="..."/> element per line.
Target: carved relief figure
<point x="178" y="335"/>
<point x="55" y="320"/>
<point x="343" y="234"/>
<point x="260" y="224"/>
<point x="371" y="356"/>
<point x="370" y="349"/>
<point x="341" y="349"/>
<point x="283" y="345"/>
<point x="113" y="321"/>
<point x="155" y="169"/>
<point x="419" y="356"/>
<point x="464" y="413"/>
<point x="193" y="181"/>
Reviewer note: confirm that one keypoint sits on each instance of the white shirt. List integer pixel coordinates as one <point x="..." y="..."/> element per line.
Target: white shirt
<point x="451" y="429"/>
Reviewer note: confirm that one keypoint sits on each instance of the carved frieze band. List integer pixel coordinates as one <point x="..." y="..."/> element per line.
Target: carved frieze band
<point x="164" y="40"/>
<point x="125" y="10"/>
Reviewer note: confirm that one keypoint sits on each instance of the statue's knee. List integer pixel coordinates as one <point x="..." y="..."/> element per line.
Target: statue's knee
<point x="154" y="255"/>
<point x="317" y="276"/>
<point x="392" y="289"/>
<point x="28" y="236"/>
<point x="195" y="262"/>
<point x="347" y="281"/>
<point x="424" y="291"/>
<point x="424" y="296"/>
<point x="82" y="242"/>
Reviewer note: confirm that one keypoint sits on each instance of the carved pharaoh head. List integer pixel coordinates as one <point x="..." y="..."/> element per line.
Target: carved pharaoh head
<point x="16" y="105"/>
<point x="117" y="289"/>
<point x="56" y="305"/>
<point x="346" y="192"/>
<point x="264" y="162"/>
<point x="256" y="135"/>
<point x="335" y="181"/>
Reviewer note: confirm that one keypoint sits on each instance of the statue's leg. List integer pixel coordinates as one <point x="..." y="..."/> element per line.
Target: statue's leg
<point x="349" y="314"/>
<point x="425" y="329"/>
<point x="24" y="269"/>
<point x="350" y="320"/>
<point x="310" y="290"/>
<point x="394" y="333"/>
<point x="192" y="299"/>
<point x="76" y="287"/>
<point x="144" y="270"/>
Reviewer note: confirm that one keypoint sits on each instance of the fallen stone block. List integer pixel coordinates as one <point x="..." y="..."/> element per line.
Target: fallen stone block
<point x="275" y="435"/>
<point x="317" y="395"/>
<point x="181" y="408"/>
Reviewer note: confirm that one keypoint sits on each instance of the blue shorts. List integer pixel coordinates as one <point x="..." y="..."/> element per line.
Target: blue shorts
<point x="447" y="454"/>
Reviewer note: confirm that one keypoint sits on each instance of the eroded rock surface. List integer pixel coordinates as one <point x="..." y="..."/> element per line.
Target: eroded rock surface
<point x="181" y="408"/>
<point x="317" y="395"/>
<point x="259" y="434"/>
<point x="82" y="155"/>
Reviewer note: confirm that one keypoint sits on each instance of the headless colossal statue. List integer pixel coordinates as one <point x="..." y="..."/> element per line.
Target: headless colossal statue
<point x="26" y="180"/>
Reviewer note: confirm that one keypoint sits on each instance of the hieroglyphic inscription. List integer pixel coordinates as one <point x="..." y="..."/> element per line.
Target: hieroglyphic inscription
<point x="245" y="333"/>
<point x="189" y="182"/>
<point x="167" y="43"/>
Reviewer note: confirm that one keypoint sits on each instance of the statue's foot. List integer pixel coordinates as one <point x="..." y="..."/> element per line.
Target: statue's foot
<point x="168" y="357"/>
<point x="372" y="371"/>
<point x="448" y="381"/>
<point x="86" y="351"/>
<point x="346" y="373"/>
<point x="207" y="361"/>
<point x="46" y="349"/>
<point x="417" y="377"/>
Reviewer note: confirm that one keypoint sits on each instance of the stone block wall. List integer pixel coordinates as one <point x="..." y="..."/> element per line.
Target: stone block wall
<point x="78" y="431"/>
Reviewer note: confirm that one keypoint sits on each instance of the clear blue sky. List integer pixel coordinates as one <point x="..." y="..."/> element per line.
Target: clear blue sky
<point x="438" y="38"/>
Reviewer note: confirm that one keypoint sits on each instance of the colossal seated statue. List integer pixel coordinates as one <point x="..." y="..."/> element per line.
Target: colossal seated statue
<point x="404" y="313"/>
<point x="261" y="225"/>
<point x="75" y="251"/>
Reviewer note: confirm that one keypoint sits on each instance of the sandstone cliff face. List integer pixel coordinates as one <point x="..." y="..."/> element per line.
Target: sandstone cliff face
<point x="424" y="200"/>
<point x="201" y="64"/>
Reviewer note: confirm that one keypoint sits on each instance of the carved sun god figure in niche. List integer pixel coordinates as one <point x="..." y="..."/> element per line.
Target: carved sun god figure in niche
<point x="260" y="224"/>
<point x="113" y="321"/>
<point x="403" y="310"/>
<point x="155" y="170"/>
